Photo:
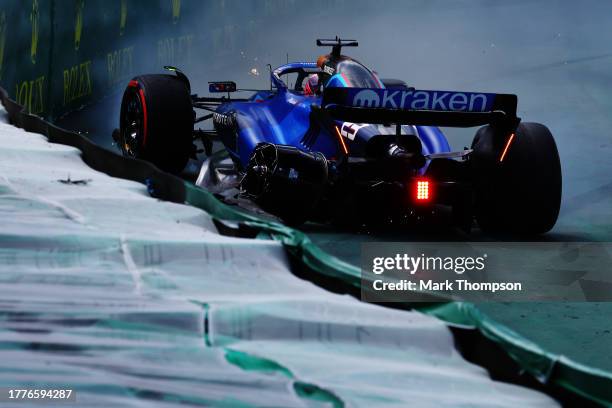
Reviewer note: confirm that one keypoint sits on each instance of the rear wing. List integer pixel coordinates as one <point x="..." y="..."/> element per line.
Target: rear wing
<point x="420" y="107"/>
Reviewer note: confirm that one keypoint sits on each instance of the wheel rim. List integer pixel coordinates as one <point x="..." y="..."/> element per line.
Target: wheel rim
<point x="132" y="124"/>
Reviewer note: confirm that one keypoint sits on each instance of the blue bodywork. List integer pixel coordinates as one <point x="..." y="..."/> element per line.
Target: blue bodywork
<point x="283" y="116"/>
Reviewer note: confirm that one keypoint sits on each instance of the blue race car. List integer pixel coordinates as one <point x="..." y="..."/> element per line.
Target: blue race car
<point x="343" y="144"/>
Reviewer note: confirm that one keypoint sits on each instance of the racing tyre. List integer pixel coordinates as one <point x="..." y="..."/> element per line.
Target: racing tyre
<point x="521" y="192"/>
<point x="156" y="121"/>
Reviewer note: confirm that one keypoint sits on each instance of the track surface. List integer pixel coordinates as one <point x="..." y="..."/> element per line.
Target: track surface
<point x="555" y="55"/>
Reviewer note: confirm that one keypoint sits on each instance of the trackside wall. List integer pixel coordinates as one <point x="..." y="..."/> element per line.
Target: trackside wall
<point x="57" y="55"/>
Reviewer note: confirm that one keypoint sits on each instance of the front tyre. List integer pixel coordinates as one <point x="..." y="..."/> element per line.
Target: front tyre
<point x="519" y="191"/>
<point x="156" y="121"/>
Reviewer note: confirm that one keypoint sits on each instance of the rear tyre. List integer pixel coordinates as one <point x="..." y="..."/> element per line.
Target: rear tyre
<point x="156" y="121"/>
<point x="522" y="193"/>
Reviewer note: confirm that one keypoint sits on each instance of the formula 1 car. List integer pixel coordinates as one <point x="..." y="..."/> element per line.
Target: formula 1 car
<point x="356" y="147"/>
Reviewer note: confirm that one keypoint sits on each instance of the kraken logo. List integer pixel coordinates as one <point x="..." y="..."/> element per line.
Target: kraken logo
<point x="2" y="38"/>
<point x="366" y="98"/>
<point x="78" y="23"/>
<point x="122" y="16"/>
<point x="34" y="21"/>
<point x="176" y="11"/>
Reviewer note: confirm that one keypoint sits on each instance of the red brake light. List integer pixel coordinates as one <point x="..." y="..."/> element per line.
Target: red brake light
<point x="422" y="190"/>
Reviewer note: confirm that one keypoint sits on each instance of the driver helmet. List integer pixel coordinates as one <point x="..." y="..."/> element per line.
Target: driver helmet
<point x="311" y="85"/>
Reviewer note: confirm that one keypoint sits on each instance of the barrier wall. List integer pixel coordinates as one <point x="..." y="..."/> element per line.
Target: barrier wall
<point x="57" y="55"/>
